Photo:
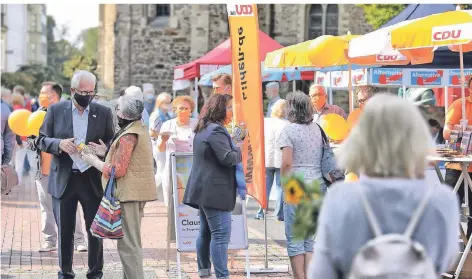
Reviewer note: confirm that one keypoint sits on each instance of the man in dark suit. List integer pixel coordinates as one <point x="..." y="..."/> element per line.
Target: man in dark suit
<point x="71" y="180"/>
<point x="436" y="131"/>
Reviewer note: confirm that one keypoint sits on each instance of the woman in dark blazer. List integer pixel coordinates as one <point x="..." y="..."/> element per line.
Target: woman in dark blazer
<point x="211" y="187"/>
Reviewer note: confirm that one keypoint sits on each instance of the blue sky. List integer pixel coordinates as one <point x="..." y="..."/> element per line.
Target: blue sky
<point x="77" y="15"/>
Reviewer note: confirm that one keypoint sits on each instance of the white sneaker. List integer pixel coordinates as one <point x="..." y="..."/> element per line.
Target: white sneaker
<point x="47" y="247"/>
<point x="81" y="248"/>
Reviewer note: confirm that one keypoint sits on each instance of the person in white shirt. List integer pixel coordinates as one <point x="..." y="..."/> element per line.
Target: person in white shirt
<point x="273" y="156"/>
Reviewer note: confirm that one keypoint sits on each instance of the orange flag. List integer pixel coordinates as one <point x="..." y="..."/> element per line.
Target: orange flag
<point x="247" y="93"/>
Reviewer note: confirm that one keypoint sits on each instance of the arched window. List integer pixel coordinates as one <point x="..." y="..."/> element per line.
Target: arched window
<point x="158" y="15"/>
<point x="162" y="10"/>
<point x="332" y="23"/>
<point x="315" y="21"/>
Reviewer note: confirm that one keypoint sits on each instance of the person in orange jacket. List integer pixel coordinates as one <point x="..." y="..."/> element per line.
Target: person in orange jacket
<point x="51" y="94"/>
<point x="364" y="93"/>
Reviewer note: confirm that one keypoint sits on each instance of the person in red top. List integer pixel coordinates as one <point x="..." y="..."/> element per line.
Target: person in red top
<point x="21" y="90"/>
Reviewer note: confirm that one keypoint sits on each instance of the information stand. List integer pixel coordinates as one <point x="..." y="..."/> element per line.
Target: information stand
<point x="464" y="177"/>
<point x="185" y="220"/>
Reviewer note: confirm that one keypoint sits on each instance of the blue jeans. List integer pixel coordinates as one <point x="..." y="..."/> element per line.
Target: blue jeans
<point x="272" y="173"/>
<point x="297" y="247"/>
<point x="213" y="239"/>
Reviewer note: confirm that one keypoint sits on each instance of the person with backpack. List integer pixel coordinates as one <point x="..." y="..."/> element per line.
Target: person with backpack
<point x="391" y="223"/>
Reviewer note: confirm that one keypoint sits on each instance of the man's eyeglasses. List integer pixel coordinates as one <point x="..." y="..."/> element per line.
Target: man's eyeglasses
<point x="217" y="89"/>
<point x="84" y="92"/>
<point x="362" y="101"/>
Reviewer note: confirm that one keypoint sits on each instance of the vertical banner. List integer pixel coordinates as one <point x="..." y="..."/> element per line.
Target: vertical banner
<point x="247" y="93"/>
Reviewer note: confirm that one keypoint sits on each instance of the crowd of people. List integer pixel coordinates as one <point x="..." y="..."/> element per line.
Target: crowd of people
<point x="132" y="138"/>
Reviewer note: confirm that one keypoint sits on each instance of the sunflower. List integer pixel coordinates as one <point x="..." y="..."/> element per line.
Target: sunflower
<point x="293" y="191"/>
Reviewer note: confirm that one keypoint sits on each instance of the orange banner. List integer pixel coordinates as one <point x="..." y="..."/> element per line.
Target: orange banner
<point x="247" y="93"/>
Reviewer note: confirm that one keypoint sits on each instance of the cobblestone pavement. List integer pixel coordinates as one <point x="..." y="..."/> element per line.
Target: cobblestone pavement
<point x="20" y="241"/>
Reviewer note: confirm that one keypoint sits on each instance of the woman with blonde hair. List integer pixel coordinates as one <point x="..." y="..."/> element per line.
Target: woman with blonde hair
<point x="161" y="114"/>
<point x="176" y="135"/>
<point x="273" y="156"/>
<point x="389" y="148"/>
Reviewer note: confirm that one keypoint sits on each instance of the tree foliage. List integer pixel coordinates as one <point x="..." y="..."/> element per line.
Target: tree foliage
<point x="465" y="6"/>
<point x="79" y="62"/>
<point x="64" y="58"/>
<point x="379" y="14"/>
<point x="9" y="80"/>
<point x="41" y="73"/>
<point x="89" y="40"/>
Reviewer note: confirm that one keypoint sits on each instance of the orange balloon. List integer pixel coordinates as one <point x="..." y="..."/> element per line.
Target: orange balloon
<point x="18" y="122"/>
<point x="35" y="120"/>
<point x="335" y="126"/>
<point x="351" y="177"/>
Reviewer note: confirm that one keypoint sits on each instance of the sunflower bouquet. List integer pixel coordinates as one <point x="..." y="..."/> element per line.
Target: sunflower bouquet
<point x="308" y="197"/>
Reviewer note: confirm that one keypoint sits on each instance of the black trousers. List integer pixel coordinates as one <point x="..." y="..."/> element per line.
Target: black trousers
<point x="79" y="189"/>
<point x="452" y="176"/>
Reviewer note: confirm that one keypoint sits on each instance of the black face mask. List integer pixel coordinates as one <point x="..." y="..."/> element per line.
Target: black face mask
<point x="82" y="100"/>
<point x="123" y="122"/>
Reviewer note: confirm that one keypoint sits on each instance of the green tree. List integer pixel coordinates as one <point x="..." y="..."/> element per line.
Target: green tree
<point x="79" y="62"/>
<point x="379" y="14"/>
<point x="9" y="80"/>
<point x="465" y="6"/>
<point x="40" y="74"/>
<point x="89" y="40"/>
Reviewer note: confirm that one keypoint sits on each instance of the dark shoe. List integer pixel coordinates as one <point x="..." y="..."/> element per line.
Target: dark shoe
<point x="259" y="217"/>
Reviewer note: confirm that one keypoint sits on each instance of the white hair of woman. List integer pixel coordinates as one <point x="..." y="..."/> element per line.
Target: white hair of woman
<point x="5" y="91"/>
<point x="391" y="140"/>
<point x="131" y="105"/>
<point x="278" y="109"/>
<point x="82" y="75"/>
<point x="273" y="85"/>
<point x="161" y="98"/>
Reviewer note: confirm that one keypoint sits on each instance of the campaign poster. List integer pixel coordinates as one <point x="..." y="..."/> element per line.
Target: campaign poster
<point x="427" y="78"/>
<point x="455" y="77"/>
<point x="187" y="219"/>
<point x="387" y="76"/>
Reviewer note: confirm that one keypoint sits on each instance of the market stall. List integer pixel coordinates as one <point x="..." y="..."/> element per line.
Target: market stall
<point x="216" y="58"/>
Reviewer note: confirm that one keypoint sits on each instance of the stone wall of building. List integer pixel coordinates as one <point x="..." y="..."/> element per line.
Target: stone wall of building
<point x="146" y="53"/>
<point x="106" y="51"/>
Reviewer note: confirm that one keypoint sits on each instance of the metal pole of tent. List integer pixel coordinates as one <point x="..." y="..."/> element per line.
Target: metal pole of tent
<point x="446" y="99"/>
<point x="266" y="258"/>
<point x="404" y="92"/>
<point x="351" y="94"/>
<point x="294" y="86"/>
<point x="330" y="96"/>
<point x="195" y="111"/>
<point x="464" y="123"/>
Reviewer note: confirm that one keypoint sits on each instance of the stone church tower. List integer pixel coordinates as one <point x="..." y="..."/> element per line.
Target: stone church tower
<point x="141" y="43"/>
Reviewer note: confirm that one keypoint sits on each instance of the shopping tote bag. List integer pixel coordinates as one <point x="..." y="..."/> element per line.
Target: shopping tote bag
<point x="107" y="221"/>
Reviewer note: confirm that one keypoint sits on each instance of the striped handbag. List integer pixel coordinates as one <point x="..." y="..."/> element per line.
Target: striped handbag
<point x="107" y="221"/>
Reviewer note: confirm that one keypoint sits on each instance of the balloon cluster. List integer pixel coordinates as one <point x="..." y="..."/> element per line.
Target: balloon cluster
<point x="24" y="123"/>
<point x="335" y="127"/>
